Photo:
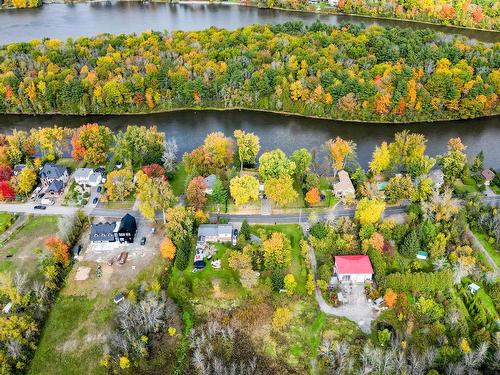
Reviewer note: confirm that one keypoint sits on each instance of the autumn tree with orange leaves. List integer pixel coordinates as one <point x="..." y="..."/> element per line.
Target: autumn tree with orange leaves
<point x="167" y="249"/>
<point x="59" y="249"/>
<point x="312" y="197"/>
<point x="339" y="151"/>
<point x="92" y="142"/>
<point x="390" y="298"/>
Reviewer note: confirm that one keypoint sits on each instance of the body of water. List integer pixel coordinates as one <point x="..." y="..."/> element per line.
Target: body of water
<point x="289" y="133"/>
<point x="73" y="20"/>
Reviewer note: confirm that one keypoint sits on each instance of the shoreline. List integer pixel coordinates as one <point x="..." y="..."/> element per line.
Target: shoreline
<point x="319" y="12"/>
<point x="242" y="109"/>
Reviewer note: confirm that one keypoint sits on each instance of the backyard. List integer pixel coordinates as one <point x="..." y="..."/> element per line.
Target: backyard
<point x="6" y="221"/>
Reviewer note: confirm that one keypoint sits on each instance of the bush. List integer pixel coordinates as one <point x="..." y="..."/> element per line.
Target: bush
<point x="419" y="282"/>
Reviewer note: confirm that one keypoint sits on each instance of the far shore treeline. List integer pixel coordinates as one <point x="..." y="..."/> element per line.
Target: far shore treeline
<point x="346" y="72"/>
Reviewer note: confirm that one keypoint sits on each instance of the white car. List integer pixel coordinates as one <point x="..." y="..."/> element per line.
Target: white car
<point x="47" y="201"/>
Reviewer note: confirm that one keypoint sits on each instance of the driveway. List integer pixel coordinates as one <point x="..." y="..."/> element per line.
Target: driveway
<point x="357" y="308"/>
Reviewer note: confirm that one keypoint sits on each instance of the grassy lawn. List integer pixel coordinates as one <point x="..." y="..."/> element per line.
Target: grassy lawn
<point x="495" y="188"/>
<point x="178" y="182"/>
<point x="467" y="186"/>
<point x="126" y="204"/>
<point x="6" y="221"/>
<point x="483" y="238"/>
<point x="59" y="350"/>
<point x="210" y="285"/>
<point x="70" y="163"/>
<point x="21" y="245"/>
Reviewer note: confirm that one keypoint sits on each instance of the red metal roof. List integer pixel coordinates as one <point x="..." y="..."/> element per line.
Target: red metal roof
<point x="353" y="264"/>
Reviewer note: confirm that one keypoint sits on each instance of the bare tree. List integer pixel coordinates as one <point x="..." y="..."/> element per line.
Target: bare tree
<point x="169" y="158"/>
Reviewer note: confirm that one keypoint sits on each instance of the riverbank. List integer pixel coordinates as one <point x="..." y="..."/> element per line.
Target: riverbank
<point x="310" y="9"/>
<point x="258" y="110"/>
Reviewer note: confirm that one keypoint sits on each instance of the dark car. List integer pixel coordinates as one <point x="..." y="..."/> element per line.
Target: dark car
<point x="40" y="207"/>
<point x="143" y="241"/>
<point x="99" y="189"/>
<point x="95" y="200"/>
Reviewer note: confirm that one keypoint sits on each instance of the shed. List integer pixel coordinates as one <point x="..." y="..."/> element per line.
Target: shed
<point x="473" y="288"/>
<point x="118" y="298"/>
<point x="355" y="268"/>
<point x="7" y="308"/>
<point x="422" y="255"/>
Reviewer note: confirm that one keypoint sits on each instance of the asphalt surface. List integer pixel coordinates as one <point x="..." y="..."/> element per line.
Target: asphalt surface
<point x="263" y="219"/>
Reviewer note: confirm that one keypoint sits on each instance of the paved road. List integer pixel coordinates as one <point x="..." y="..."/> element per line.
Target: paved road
<point x="338" y="211"/>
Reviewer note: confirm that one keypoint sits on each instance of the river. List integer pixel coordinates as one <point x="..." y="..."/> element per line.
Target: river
<point x="189" y="128"/>
<point x="73" y="20"/>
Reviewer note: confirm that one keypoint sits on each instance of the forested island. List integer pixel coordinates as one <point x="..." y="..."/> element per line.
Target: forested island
<point x="481" y="14"/>
<point x="347" y="72"/>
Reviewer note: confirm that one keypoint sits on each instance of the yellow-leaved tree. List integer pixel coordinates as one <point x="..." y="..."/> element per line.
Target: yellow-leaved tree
<point x="167" y="248"/>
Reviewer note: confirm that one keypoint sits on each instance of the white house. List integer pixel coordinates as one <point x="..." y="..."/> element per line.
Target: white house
<point x="344" y="187"/>
<point x="87" y="176"/>
<point x="355" y="268"/>
<point x="215" y="233"/>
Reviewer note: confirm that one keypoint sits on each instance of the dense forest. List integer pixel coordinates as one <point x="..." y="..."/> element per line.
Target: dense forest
<point x="481" y="14"/>
<point x="345" y="72"/>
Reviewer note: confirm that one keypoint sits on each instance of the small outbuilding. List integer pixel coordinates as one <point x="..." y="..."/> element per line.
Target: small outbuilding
<point x="355" y="268"/>
<point x="422" y="255"/>
<point x="118" y="298"/>
<point x="473" y="288"/>
<point x="488" y="175"/>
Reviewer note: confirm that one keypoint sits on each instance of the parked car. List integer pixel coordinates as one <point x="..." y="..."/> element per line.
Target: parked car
<point x="123" y="257"/>
<point x="95" y="200"/>
<point x="99" y="189"/>
<point x="47" y="201"/>
<point x="234" y="237"/>
<point x="40" y="207"/>
<point x="143" y="241"/>
<point x="76" y="250"/>
<point x="111" y="261"/>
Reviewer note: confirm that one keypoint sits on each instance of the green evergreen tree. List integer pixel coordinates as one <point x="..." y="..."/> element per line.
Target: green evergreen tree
<point x="219" y="192"/>
<point x="410" y="245"/>
<point x="245" y="230"/>
<point x="277" y="279"/>
<point x="182" y="255"/>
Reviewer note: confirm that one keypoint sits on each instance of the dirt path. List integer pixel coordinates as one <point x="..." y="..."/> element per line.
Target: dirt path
<point x="20" y="221"/>
<point x="477" y="244"/>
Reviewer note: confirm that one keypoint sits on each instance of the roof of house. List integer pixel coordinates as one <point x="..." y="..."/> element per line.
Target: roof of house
<point x="215" y="230"/>
<point x="95" y="177"/>
<point x="353" y="264"/>
<point x="127" y="224"/>
<point x="83" y="173"/>
<point x="19" y="167"/>
<point x="210" y="180"/>
<point x="55" y="186"/>
<point x="488" y="174"/>
<point x="103" y="232"/>
<point x="437" y="176"/>
<point x="54" y="171"/>
<point x="344" y="184"/>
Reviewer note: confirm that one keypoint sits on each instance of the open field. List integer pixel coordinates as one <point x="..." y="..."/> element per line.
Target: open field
<point x="18" y="252"/>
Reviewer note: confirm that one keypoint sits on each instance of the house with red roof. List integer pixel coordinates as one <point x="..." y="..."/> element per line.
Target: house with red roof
<point x="355" y="268"/>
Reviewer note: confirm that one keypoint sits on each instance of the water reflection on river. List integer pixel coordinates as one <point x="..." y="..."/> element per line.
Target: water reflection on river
<point x="286" y="132"/>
